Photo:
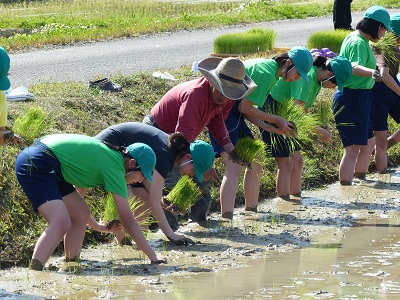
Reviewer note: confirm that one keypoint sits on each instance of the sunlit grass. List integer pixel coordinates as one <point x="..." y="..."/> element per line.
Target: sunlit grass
<point x="331" y="39"/>
<point x="250" y="41"/>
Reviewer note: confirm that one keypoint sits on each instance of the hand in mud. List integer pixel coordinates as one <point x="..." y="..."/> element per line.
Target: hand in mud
<point x="182" y="242"/>
<point x="159" y="260"/>
<point x="377" y="76"/>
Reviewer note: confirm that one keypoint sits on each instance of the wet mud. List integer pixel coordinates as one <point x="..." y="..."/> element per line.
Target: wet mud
<point x="341" y="242"/>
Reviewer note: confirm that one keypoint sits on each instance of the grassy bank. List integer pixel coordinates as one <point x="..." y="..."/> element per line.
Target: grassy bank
<point x="57" y="22"/>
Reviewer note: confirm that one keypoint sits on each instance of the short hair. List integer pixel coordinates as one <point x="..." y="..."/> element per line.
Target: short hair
<point x="369" y="26"/>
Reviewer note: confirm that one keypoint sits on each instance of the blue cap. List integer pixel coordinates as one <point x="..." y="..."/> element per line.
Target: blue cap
<point x="203" y="157"/>
<point x="145" y="158"/>
<point x="4" y="68"/>
<point x="342" y="69"/>
<point x="302" y="60"/>
<point x="380" y="14"/>
<point x="395" y="24"/>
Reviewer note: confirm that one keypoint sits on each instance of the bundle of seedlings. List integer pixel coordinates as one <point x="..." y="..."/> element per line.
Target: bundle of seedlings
<point x="303" y="127"/>
<point x="386" y="47"/>
<point x="323" y="110"/>
<point x="247" y="150"/>
<point x="32" y="124"/>
<point x="110" y="215"/>
<point x="184" y="194"/>
<point x="251" y="41"/>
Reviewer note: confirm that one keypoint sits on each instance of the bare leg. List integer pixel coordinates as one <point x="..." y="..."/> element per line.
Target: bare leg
<point x="380" y="150"/>
<point x="348" y="163"/>
<point x="296" y="173"/>
<point x="283" y="176"/>
<point x="229" y="184"/>
<point x="59" y="222"/>
<point x="364" y="157"/>
<point x="251" y="186"/>
<point x="79" y="212"/>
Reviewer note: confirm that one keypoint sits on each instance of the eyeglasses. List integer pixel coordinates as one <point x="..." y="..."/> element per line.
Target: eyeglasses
<point x="185" y="163"/>
<point x="329" y="78"/>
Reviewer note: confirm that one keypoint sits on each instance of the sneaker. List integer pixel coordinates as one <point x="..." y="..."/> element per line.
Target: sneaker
<point x="106" y="85"/>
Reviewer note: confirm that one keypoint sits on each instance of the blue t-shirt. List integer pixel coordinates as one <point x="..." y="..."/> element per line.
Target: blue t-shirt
<point x="125" y="134"/>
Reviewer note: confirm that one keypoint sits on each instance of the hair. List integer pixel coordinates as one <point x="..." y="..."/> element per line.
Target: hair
<point x="320" y="62"/>
<point x="178" y="144"/>
<point x="281" y="59"/>
<point x="369" y="26"/>
<point x="122" y="149"/>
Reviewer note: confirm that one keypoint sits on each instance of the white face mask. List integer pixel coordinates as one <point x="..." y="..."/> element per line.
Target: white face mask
<point x="185" y="163"/>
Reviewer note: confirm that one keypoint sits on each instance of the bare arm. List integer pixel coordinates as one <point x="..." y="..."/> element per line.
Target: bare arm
<point x="247" y="108"/>
<point x="155" y="196"/>
<point x="133" y="229"/>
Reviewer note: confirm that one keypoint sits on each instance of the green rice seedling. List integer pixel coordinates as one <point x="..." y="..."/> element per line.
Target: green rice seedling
<point x="111" y="217"/>
<point x="32" y="124"/>
<point x="304" y="125"/>
<point x="247" y="149"/>
<point x="386" y="46"/>
<point x="323" y="110"/>
<point x="184" y="194"/>
<point x="331" y="39"/>
<point x="250" y="41"/>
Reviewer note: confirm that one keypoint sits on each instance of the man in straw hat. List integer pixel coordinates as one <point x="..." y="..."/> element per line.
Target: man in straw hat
<point x="204" y="102"/>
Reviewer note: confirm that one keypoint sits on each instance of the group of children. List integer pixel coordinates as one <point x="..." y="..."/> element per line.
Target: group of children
<point x="139" y="158"/>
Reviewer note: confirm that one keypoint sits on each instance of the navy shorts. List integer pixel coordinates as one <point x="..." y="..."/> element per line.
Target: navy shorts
<point x="385" y="102"/>
<point x="352" y="116"/>
<point x="237" y="128"/>
<point x="278" y="145"/>
<point x="39" y="174"/>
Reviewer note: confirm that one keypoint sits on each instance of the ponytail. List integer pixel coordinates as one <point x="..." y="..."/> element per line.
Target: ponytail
<point x="121" y="149"/>
<point x="178" y="144"/>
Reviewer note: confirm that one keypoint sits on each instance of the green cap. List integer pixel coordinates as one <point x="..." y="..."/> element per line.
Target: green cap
<point x="4" y="68"/>
<point x="380" y="14"/>
<point x="145" y="158"/>
<point x="395" y="24"/>
<point x="302" y="60"/>
<point x="203" y="157"/>
<point x="342" y="69"/>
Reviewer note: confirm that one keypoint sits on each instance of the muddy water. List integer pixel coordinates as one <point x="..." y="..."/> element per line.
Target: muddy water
<point x="336" y="243"/>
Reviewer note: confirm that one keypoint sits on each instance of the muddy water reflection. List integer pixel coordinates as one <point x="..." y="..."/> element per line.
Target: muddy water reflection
<point x="364" y="265"/>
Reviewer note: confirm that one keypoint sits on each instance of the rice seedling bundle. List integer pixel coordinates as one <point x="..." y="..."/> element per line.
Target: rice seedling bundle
<point x="331" y="39"/>
<point x="304" y="125"/>
<point x="110" y="214"/>
<point x="32" y="124"/>
<point x="250" y="41"/>
<point x="246" y="150"/>
<point x="184" y="194"/>
<point x="323" y="110"/>
<point x="386" y="47"/>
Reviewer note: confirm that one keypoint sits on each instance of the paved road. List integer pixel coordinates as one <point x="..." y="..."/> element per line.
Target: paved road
<point x="147" y="53"/>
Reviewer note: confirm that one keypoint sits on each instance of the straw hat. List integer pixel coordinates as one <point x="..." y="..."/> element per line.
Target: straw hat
<point x="228" y="76"/>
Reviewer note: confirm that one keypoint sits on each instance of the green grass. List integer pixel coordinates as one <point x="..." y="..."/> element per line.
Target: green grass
<point x="58" y="22"/>
<point x="331" y="39"/>
<point x="250" y="41"/>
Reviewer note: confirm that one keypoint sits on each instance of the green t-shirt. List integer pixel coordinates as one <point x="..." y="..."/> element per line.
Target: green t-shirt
<point x="357" y="50"/>
<point x="86" y="162"/>
<point x="264" y="72"/>
<point x="299" y="89"/>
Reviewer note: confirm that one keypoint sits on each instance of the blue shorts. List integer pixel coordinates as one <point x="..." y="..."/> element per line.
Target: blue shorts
<point x="39" y="174"/>
<point x="237" y="128"/>
<point x="278" y="145"/>
<point x="352" y="116"/>
<point x="385" y="102"/>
